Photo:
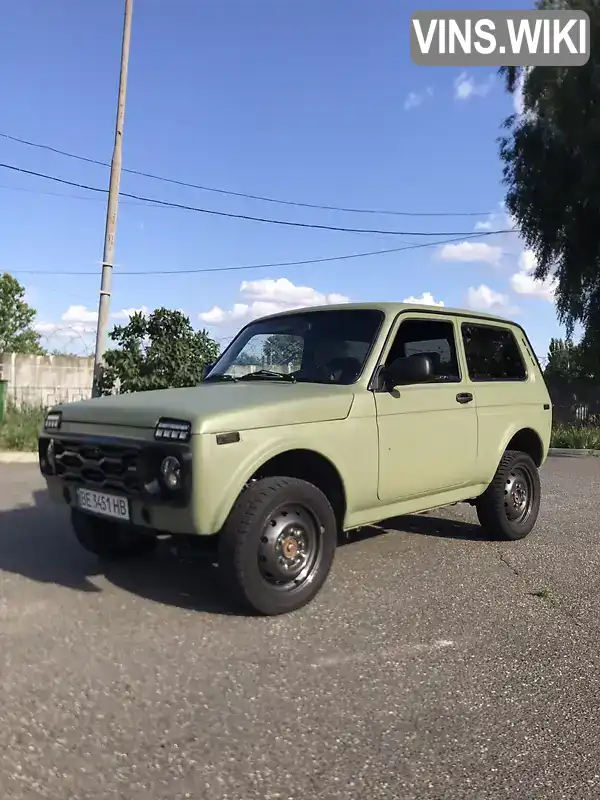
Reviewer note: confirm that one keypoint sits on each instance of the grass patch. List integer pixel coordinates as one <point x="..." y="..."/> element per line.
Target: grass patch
<point x="21" y="427"/>
<point x="575" y="437"/>
<point x="544" y="593"/>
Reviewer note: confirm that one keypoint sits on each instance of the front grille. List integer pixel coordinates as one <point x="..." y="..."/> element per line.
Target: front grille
<point x="99" y="465"/>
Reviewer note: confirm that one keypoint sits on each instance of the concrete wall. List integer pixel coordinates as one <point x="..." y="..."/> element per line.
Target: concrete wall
<point x="45" y="380"/>
<point x="242" y="369"/>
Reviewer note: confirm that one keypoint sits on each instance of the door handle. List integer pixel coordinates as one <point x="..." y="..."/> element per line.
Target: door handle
<point x="464" y="397"/>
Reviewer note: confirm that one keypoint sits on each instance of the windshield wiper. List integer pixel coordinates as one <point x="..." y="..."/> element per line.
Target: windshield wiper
<point x="223" y="377"/>
<point x="266" y="374"/>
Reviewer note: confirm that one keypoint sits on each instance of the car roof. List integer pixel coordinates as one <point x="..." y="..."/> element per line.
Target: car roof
<point x="391" y="309"/>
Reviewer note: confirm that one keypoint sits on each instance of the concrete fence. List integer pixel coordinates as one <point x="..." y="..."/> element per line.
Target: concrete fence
<point x="45" y="380"/>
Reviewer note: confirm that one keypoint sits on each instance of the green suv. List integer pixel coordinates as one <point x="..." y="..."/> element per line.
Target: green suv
<point x="312" y="422"/>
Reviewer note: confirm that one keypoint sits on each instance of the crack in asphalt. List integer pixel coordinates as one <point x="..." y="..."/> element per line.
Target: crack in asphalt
<point x="553" y="601"/>
<point x="506" y="562"/>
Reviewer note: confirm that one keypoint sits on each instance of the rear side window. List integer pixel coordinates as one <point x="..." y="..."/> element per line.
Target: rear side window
<point x="492" y="353"/>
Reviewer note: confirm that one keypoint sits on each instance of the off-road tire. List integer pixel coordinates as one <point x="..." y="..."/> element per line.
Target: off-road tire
<point x="495" y="504"/>
<point x="250" y="532"/>
<point x="110" y="540"/>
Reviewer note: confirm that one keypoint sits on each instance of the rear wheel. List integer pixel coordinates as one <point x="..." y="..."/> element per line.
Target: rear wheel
<point x="277" y="547"/>
<point x="509" y="507"/>
<point x="109" y="539"/>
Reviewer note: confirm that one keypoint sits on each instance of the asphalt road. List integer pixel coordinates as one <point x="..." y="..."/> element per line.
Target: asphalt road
<point x="433" y="664"/>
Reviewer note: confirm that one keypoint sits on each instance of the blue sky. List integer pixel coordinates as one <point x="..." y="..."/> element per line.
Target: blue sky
<point x="301" y="100"/>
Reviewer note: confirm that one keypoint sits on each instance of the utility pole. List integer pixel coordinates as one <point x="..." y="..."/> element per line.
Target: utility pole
<point x="113" y="205"/>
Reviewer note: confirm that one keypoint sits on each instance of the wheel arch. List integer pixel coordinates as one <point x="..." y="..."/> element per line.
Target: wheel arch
<point x="309" y="465"/>
<point x="527" y="440"/>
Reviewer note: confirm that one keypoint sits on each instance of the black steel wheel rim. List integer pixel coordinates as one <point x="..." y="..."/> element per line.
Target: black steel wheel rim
<point x="519" y="495"/>
<point x="290" y="547"/>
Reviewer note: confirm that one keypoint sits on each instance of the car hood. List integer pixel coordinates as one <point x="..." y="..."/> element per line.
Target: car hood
<point x="215" y="407"/>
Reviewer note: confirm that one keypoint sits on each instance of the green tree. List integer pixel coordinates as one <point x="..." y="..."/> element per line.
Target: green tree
<point x="565" y="362"/>
<point x="246" y="359"/>
<point x="159" y="351"/>
<point x="17" y="334"/>
<point x="551" y="165"/>
<point x="280" y="349"/>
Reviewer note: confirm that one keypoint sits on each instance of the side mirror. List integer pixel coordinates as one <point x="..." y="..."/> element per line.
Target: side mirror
<point x="205" y="370"/>
<point x="410" y="369"/>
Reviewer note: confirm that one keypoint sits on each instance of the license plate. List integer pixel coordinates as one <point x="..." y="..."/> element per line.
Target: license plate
<point x="107" y="505"/>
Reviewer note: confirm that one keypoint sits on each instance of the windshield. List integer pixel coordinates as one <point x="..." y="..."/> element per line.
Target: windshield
<point x="313" y="347"/>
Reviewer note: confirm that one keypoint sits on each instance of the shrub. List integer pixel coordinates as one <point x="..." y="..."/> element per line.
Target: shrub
<point x="21" y="427"/>
<point x="576" y="437"/>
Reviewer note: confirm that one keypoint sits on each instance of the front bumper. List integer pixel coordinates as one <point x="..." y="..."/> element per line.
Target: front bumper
<point x="124" y="467"/>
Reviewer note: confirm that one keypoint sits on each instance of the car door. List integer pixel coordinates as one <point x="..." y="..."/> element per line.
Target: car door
<point x="428" y="432"/>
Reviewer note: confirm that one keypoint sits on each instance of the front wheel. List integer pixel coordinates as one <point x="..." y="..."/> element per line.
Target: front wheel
<point x="277" y="547"/>
<point x="510" y="505"/>
<point x="108" y="539"/>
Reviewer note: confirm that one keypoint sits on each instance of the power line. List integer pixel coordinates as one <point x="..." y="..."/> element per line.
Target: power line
<point x="230" y="215"/>
<point x="146" y="205"/>
<point x="245" y="195"/>
<point x="273" y="265"/>
<point x="67" y="196"/>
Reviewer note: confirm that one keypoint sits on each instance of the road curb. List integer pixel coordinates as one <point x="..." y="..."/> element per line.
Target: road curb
<point x="568" y="452"/>
<point x="17" y="457"/>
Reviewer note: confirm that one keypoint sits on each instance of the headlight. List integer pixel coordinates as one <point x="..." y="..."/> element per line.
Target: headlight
<point x="52" y="421"/>
<point x="170" y="471"/>
<point x="173" y="429"/>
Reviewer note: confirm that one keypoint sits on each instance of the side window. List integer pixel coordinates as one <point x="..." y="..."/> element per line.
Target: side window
<point x="431" y="338"/>
<point x="492" y="354"/>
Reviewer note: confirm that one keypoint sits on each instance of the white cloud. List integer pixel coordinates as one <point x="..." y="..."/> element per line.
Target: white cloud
<point x="269" y="296"/>
<point x="64" y="328"/>
<point x="426" y="299"/>
<point x="523" y="282"/>
<point x="527" y="261"/>
<point x="79" y="315"/>
<point x="483" y="298"/>
<point x="126" y="313"/>
<point x="496" y="220"/>
<point x="414" y="99"/>
<point x="75" y="320"/>
<point x="216" y="315"/>
<point x="81" y="320"/>
<point x="471" y="251"/>
<point x="466" y="87"/>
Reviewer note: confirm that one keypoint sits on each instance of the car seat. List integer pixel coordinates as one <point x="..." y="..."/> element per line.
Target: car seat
<point x="345" y="369"/>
